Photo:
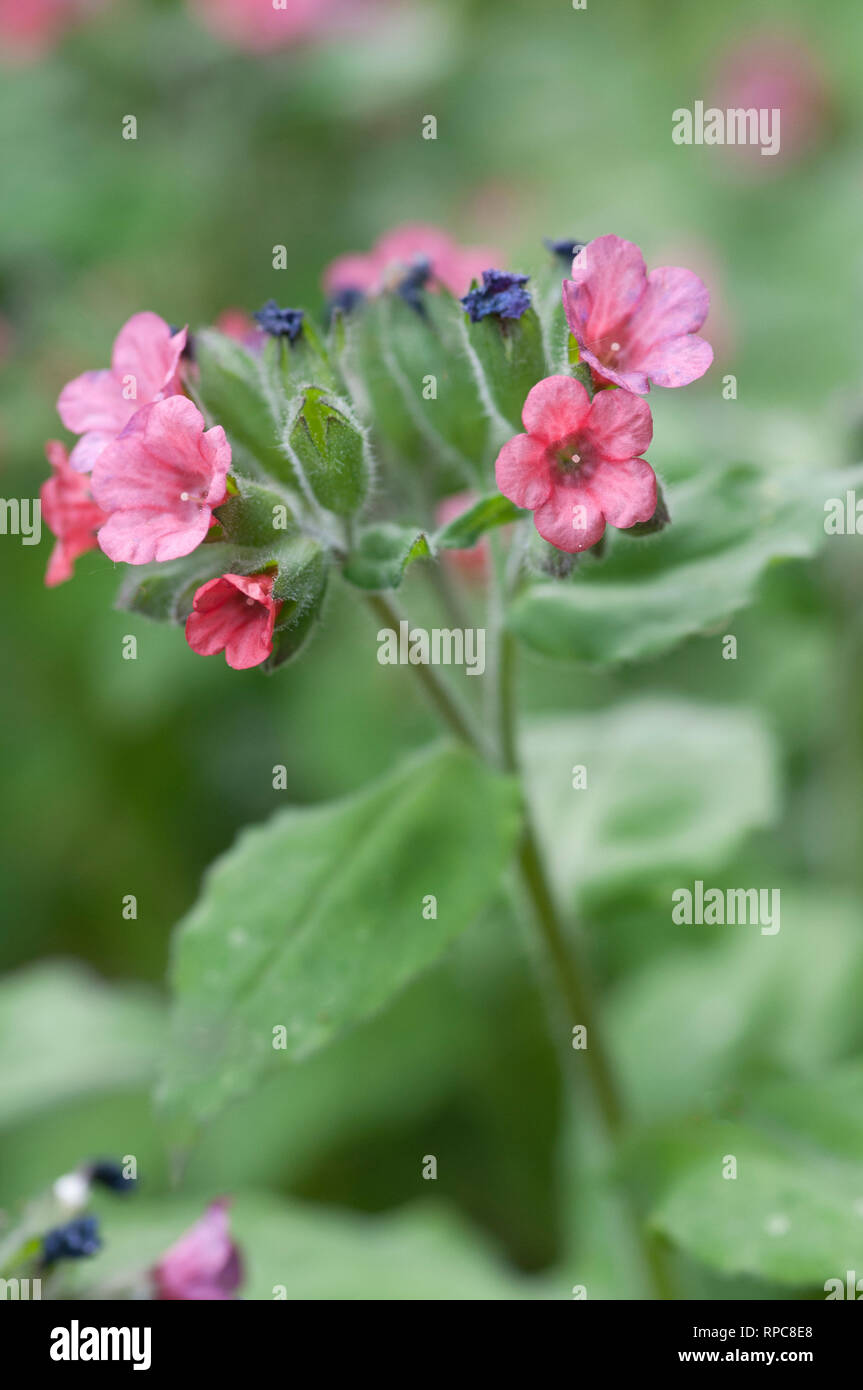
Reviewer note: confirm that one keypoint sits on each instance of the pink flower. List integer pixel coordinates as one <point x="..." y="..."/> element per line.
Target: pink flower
<point x="577" y="466"/>
<point x="393" y="255"/>
<point x="630" y="325"/>
<point x="473" y="564"/>
<point x="204" y="1264"/>
<point x="29" y="27"/>
<point x="236" y="614"/>
<point x="159" y="482"/>
<point x="236" y="324"/>
<point x="144" y="368"/>
<point x="69" y="512"/>
<point x="257" y="25"/>
<point x="770" y="70"/>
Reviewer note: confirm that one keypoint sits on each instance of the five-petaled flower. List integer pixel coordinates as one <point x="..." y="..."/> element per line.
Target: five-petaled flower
<point x="144" y="368"/>
<point x="236" y="614"/>
<point x="204" y="1264"/>
<point x="398" y="252"/>
<point x="631" y="326"/>
<point x="69" y="512"/>
<point x="159" y="482"/>
<point x="577" y="467"/>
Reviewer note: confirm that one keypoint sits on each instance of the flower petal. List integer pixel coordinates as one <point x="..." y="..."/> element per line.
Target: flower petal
<point x="608" y="279"/>
<point x="94" y="401"/>
<point x="620" y="425"/>
<point x="678" y="361"/>
<point x="625" y="491"/>
<point x="522" y="471"/>
<point x="675" y="302"/>
<point x="146" y="351"/>
<point x="555" y="407"/>
<point x="570" y="519"/>
<point x="137" y="536"/>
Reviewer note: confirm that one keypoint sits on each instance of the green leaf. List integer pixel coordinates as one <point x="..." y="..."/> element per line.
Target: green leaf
<point x="464" y="531"/>
<point x="315" y="919"/>
<point x="794" y="1213"/>
<point x="765" y="1004"/>
<point x="672" y="786"/>
<point x="65" y="1034"/>
<point x="232" y="390"/>
<point x="422" y="1252"/>
<point x="164" y="591"/>
<point x="649" y="595"/>
<point x="383" y="553"/>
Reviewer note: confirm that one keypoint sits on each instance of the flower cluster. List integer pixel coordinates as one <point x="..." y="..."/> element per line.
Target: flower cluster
<point x="236" y="467"/>
<point x="577" y="467"/>
<point x="204" y="1264"/>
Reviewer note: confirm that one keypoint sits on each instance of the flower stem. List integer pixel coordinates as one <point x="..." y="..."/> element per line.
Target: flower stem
<point x="564" y="957"/>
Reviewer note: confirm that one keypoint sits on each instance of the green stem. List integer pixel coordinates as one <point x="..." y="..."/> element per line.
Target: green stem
<point x="456" y="717"/>
<point x="564" y="956"/>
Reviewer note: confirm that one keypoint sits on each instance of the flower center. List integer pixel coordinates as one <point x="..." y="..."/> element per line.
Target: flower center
<point x="566" y="455"/>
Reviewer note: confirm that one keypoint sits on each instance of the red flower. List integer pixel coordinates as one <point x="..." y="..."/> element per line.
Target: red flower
<point x="69" y="512"/>
<point x="577" y="467"/>
<point x="236" y="614"/>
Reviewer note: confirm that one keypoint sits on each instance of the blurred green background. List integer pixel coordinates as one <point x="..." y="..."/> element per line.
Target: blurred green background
<point x="127" y="777"/>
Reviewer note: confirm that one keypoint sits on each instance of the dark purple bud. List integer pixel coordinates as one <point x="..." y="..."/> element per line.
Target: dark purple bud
<point x="565" y="249"/>
<point x="343" y="302"/>
<point x="413" y="282"/>
<point x="73" y="1241"/>
<point x="109" y="1174"/>
<point x="280" y="323"/>
<point x="188" y="353"/>
<point x="501" y="293"/>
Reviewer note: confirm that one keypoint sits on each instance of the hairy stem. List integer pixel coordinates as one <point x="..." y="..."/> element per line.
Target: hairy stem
<point x="564" y="956"/>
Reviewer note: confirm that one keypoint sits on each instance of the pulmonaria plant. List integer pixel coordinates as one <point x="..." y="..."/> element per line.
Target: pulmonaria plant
<point x="233" y="471"/>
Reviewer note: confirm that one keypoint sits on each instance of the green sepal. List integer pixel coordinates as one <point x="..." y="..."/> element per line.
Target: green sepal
<point x="383" y="553"/>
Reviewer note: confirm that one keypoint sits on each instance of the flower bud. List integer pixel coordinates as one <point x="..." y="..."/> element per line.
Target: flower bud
<point x="506" y="336"/>
<point x="330" y="448"/>
<point x="256" y="516"/>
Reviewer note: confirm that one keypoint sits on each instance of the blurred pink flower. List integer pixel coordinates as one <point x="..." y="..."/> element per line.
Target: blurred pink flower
<point x="235" y="614"/>
<point x="393" y="255"/>
<point x="69" y="512"/>
<point x="236" y="324"/>
<point x="259" y="25"/>
<point x="473" y="564"/>
<point x="770" y="70"/>
<point x="631" y="326"/>
<point x="144" y="368"/>
<point x="204" y="1264"/>
<point x="159" y="482"/>
<point x="577" y="467"/>
<point x="28" y="28"/>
